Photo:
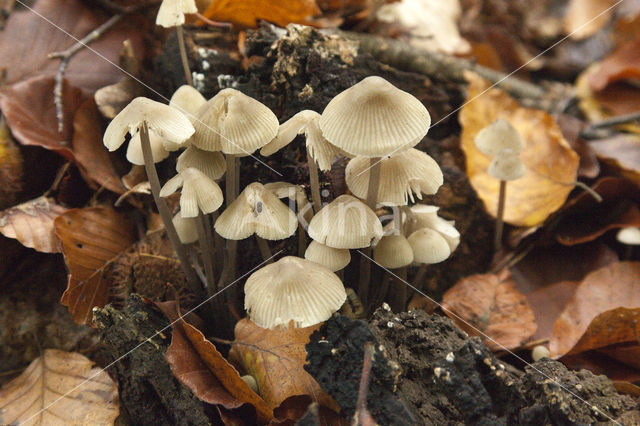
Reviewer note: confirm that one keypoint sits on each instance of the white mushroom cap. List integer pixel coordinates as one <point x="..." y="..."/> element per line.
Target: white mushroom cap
<point x="234" y="123"/>
<point x="158" y="149"/>
<point x="401" y="176"/>
<point x="506" y="166"/>
<point x="171" y="12"/>
<point x="425" y="216"/>
<point x="211" y="163"/>
<point x="393" y="251"/>
<point x="345" y="223"/>
<point x="319" y="148"/>
<point x="629" y="236"/>
<point x="497" y="136"/>
<point x="186" y="228"/>
<point x="288" y="131"/>
<point x="167" y="122"/>
<point x="293" y="192"/>
<point x="539" y="352"/>
<point x="331" y="258"/>
<point x="199" y="192"/>
<point x="256" y="211"/>
<point x="292" y="290"/>
<point x="188" y="100"/>
<point x="428" y="246"/>
<point x="373" y="118"/>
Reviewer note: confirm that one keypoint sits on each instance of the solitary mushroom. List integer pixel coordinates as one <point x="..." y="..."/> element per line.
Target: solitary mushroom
<point x="171" y="14"/>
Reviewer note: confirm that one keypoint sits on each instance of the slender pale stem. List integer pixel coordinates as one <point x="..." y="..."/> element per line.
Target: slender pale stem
<point x="302" y="240"/>
<point x="206" y="249"/>
<point x="264" y="249"/>
<point x="196" y="263"/>
<point x="365" y="266"/>
<point x="165" y="214"/>
<point x="183" y="55"/>
<point x="314" y="181"/>
<point x="383" y="290"/>
<point x="374" y="182"/>
<point x="420" y="276"/>
<point x="399" y="297"/>
<point x="497" y="241"/>
<point x="231" y="245"/>
<point x="218" y="243"/>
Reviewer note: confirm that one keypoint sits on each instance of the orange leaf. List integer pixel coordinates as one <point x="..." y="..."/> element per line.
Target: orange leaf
<point x="247" y="13"/>
<point x="622" y="64"/>
<point x="584" y="18"/>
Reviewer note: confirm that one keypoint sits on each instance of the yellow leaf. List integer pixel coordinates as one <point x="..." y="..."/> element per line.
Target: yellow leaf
<point x="247" y="13"/>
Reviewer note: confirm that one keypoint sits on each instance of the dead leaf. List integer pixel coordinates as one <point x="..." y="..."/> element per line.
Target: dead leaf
<point x="622" y="152"/>
<point x="31" y="223"/>
<point x="247" y="13"/>
<point x="599" y="363"/>
<point x="491" y="304"/>
<point x="60" y="388"/>
<point x="11" y="168"/>
<point x="571" y="128"/>
<point x="547" y="304"/>
<point x="626" y="353"/>
<point x="607" y="289"/>
<point x="113" y="98"/>
<point x="622" y="64"/>
<point x="551" y="164"/>
<point x="91" y="239"/>
<point x="584" y="18"/>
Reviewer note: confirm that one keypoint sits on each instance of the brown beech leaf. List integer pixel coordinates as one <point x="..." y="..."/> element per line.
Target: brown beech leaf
<point x="60" y="388"/>
<point x="599" y="363"/>
<point x="606" y="289"/>
<point x="91" y="239"/>
<point x="622" y="64"/>
<point x="31" y="223"/>
<point x="622" y="152"/>
<point x="11" y="168"/>
<point x="275" y="358"/>
<point x="551" y="165"/>
<point x="247" y="13"/>
<point x="492" y="304"/>
<point x="584" y="18"/>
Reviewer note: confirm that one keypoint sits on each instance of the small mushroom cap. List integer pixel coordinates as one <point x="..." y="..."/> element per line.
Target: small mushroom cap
<point x="171" y="12"/>
<point x="497" y="136"/>
<point x="292" y="289"/>
<point x="345" y="223"/>
<point x="134" y="149"/>
<point x="187" y="100"/>
<point x="256" y="211"/>
<point x="234" y="123"/>
<point x="425" y="216"/>
<point x="373" y="118"/>
<point x="428" y="246"/>
<point x="629" y="236"/>
<point x="186" y="228"/>
<point x="211" y="163"/>
<point x="167" y="122"/>
<point x="539" y="352"/>
<point x="331" y="258"/>
<point x="506" y="166"/>
<point x="199" y="192"/>
<point x="288" y="131"/>
<point x="401" y="176"/>
<point x="393" y="251"/>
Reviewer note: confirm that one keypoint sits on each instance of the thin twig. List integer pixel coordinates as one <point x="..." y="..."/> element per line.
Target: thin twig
<point x="212" y="23"/>
<point x="590" y="131"/>
<point x="362" y="415"/>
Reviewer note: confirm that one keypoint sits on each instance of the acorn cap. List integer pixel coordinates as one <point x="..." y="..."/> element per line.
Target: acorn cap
<point x="497" y="136"/>
<point x="345" y="223"/>
<point x="629" y="236"/>
<point x="428" y="246"/>
<point x="187" y="100"/>
<point x="373" y="118"/>
<point x="506" y="166"/>
<point x="171" y="12"/>
<point x="186" y="228"/>
<point x="331" y="258"/>
<point x="234" y="123"/>
<point x="211" y="163"/>
<point x="167" y="122"/>
<point x="393" y="251"/>
<point x="401" y="176"/>
<point x="256" y="211"/>
<point x="292" y="290"/>
<point x="199" y="192"/>
<point x="425" y="216"/>
<point x="134" y="149"/>
<point x="288" y="131"/>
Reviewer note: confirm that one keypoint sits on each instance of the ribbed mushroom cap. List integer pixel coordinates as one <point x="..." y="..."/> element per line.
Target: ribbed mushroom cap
<point x="331" y="258"/>
<point x="629" y="236"/>
<point x="171" y="12"/>
<point x="425" y="216"/>
<point x="256" y="211"/>
<point x="403" y="175"/>
<point x="319" y="148"/>
<point x="188" y="100"/>
<point x="234" y="123"/>
<point x="198" y="192"/>
<point x="292" y="289"/>
<point x="428" y="246"/>
<point x="373" y="118"/>
<point x="288" y="131"/>
<point x="167" y="122"/>
<point x="345" y="223"/>
<point x="211" y="163"/>
<point x="293" y="192"/>
<point x="393" y="251"/>
<point x="497" y="136"/>
<point x="186" y="228"/>
<point x="158" y="149"/>
<point x="506" y="166"/>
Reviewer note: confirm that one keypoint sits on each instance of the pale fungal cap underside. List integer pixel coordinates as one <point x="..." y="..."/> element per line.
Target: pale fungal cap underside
<point x="256" y="211"/>
<point x="199" y="192"/>
<point x="288" y="131"/>
<point x="211" y="163"/>
<point x="188" y="101"/>
<point x="373" y="118"/>
<point x="292" y="290"/>
<point x="186" y="228"/>
<point x="393" y="251"/>
<point x="428" y="246"/>
<point x="506" y="166"/>
<point x="234" y="123"/>
<point x="331" y="258"/>
<point x="158" y="149"/>
<point x="345" y="223"/>
<point x="402" y="176"/>
<point x="288" y="190"/>
<point x="425" y="216"/>
<point x="629" y="236"/>
<point x="320" y="149"/>
<point x="497" y="136"/>
<point x="171" y="12"/>
<point x="167" y="122"/>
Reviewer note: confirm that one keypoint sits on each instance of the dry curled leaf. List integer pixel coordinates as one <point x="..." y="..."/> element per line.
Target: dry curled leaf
<point x="551" y="165"/>
<point x="247" y="13"/>
<point x="584" y="18"/>
<point x="91" y="240"/>
<point x="11" y="168"/>
<point x="60" y="388"/>
<point x="622" y="64"/>
<point x="622" y="152"/>
<point x="492" y="305"/>
<point x="31" y="223"/>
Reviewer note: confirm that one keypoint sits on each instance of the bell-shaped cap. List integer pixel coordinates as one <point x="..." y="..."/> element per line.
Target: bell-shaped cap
<point x="428" y="246"/>
<point x="171" y="12"/>
<point x="403" y="175"/>
<point x="393" y="251"/>
<point x="167" y="122"/>
<point x="497" y="136"/>
<point x="629" y="236"/>
<point x="187" y="100"/>
<point x="345" y="223"/>
<point x="506" y="166"/>
<point x="211" y="163"/>
<point x="256" y="211"/>
<point x="199" y="192"/>
<point x="373" y="118"/>
<point x="288" y="131"/>
<point x="331" y="258"/>
<point x="186" y="228"/>
<point x="158" y="150"/>
<point x="425" y="216"/>
<point x="292" y="290"/>
<point x="234" y="123"/>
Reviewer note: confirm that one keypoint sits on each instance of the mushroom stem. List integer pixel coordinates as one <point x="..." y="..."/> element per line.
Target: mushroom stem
<point x="207" y="250"/>
<point x="365" y="265"/>
<point x="497" y="241"/>
<point x="264" y="249"/>
<point x="218" y="243"/>
<point x="419" y="276"/>
<point x="165" y="214"/>
<point x="302" y="240"/>
<point x="399" y="292"/>
<point x="374" y="182"/>
<point x="196" y="264"/>
<point x="314" y="180"/>
<point x="231" y="245"/>
<point x="383" y="290"/>
<point x="183" y="55"/>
